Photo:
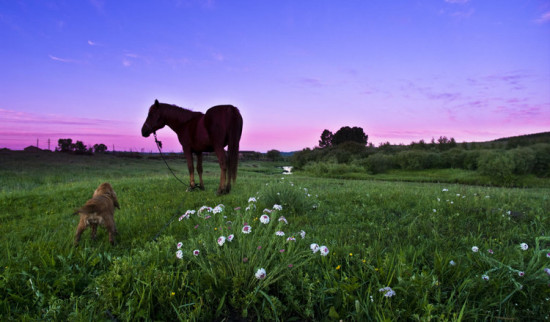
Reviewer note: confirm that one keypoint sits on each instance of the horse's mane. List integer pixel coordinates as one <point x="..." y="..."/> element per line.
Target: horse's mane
<point x="175" y="111"/>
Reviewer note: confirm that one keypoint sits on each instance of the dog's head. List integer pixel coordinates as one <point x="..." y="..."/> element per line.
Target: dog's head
<point x="105" y="189"/>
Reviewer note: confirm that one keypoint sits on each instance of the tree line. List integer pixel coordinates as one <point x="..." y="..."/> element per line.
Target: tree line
<point x="500" y="159"/>
<point x="67" y="145"/>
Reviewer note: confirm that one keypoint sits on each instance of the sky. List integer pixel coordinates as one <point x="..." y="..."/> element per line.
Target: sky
<point x="402" y="70"/>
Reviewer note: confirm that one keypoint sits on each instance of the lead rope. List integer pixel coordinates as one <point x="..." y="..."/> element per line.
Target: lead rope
<point x="159" y="146"/>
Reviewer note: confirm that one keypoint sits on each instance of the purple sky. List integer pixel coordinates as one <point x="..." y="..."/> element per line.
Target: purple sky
<point x="402" y="70"/>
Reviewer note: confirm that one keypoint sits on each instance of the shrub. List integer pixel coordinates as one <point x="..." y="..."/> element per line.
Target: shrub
<point x="418" y="160"/>
<point x="497" y="165"/>
<point x="542" y="159"/>
<point x="524" y="160"/>
<point x="379" y="163"/>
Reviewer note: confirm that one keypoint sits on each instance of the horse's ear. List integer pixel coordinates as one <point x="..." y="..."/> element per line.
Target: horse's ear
<point x="156" y="102"/>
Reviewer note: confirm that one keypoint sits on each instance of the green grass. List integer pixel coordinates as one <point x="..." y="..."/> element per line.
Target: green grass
<point x="380" y="234"/>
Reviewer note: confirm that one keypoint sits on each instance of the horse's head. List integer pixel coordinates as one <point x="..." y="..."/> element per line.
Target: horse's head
<point x="154" y="120"/>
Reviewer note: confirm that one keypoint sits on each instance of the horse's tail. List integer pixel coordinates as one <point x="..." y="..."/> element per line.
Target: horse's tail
<point x="235" y="131"/>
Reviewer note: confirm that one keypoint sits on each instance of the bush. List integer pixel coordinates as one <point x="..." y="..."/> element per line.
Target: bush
<point x="418" y="160"/>
<point x="524" y="160"/>
<point x="497" y="165"/>
<point x="379" y="163"/>
<point x="453" y="158"/>
<point x="542" y="159"/>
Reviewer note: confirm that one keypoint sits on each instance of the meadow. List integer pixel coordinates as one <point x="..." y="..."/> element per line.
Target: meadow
<point x="315" y="249"/>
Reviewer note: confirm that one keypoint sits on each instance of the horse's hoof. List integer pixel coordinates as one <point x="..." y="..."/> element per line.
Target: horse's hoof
<point x="201" y="187"/>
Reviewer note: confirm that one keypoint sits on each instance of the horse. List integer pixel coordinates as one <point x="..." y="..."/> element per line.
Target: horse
<point x="212" y="131"/>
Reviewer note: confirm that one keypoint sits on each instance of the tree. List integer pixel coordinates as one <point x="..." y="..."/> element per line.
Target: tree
<point x="274" y="155"/>
<point x="326" y="139"/>
<point x="79" y="147"/>
<point x="65" y="145"/>
<point x="345" y="134"/>
<point x="100" y="148"/>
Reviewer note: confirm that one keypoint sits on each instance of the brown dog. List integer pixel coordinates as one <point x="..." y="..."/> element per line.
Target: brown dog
<point x="100" y="210"/>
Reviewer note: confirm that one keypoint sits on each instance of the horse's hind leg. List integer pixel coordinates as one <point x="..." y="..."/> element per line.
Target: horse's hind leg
<point x="199" y="170"/>
<point x="222" y="188"/>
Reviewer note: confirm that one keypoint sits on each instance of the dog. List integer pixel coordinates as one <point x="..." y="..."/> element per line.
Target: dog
<point x="100" y="210"/>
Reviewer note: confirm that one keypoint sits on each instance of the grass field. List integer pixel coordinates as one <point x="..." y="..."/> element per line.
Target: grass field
<point x="396" y="250"/>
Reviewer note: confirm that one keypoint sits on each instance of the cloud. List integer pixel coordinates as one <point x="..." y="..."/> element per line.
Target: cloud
<point x="457" y="1"/>
<point x="311" y="82"/>
<point x="93" y="43"/>
<point x="63" y="60"/>
<point x="544" y="18"/>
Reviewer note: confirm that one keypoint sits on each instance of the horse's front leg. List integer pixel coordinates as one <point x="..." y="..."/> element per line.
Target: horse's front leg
<point x="191" y="168"/>
<point x="199" y="170"/>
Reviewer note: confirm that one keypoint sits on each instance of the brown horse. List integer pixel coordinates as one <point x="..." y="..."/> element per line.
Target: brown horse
<point x="221" y="126"/>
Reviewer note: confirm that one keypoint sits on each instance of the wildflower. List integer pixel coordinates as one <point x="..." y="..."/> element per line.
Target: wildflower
<point x="173" y="293"/>
<point x="521" y="274"/>
<point x="547" y="270"/>
<point x="290" y="265"/>
<point x="280" y="233"/>
<point x="179" y="254"/>
<point x="524" y="246"/>
<point x="434" y="210"/>
<point x="452" y="263"/>
<point x="217" y="209"/>
<point x="221" y="240"/>
<point x="291" y="239"/>
<point x="485" y="277"/>
<point x="281" y="250"/>
<point x="259" y="247"/>
<point x="490" y="251"/>
<point x="445" y="190"/>
<point x="548" y="255"/>
<point x="314" y="247"/>
<point x="268" y="211"/>
<point x="388" y="292"/>
<point x="264" y="219"/>
<point x="338" y="267"/>
<point x="475" y="249"/>
<point x="196" y="252"/>
<point x="247" y="229"/>
<point x="251" y="199"/>
<point x="237" y="208"/>
<point x="245" y="259"/>
<point x="324" y="250"/>
<point x="351" y="254"/>
<point x="197" y="226"/>
<point x="207" y="217"/>
<point x="283" y="219"/>
<point x="230" y="237"/>
<point x="205" y="208"/>
<point x="179" y="245"/>
<point x="260" y="274"/>
<point x="303" y="235"/>
<point x="277" y="207"/>
<point x="364" y="260"/>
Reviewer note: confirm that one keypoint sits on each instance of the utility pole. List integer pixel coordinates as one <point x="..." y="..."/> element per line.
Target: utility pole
<point x="49" y="144"/>
<point x="37" y="143"/>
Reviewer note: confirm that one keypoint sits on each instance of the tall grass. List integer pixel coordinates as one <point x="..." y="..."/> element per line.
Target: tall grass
<point x="413" y="238"/>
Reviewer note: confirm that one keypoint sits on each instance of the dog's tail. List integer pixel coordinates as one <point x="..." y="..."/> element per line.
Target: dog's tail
<point x="87" y="209"/>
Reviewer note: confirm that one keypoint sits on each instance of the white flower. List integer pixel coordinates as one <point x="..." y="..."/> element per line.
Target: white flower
<point x="277" y="207"/>
<point x="452" y="263"/>
<point x="196" y="252"/>
<point x="283" y="219"/>
<point x="290" y="239"/>
<point x="264" y="219"/>
<point x="303" y="234"/>
<point x="434" y="210"/>
<point x="524" y="246"/>
<point x="221" y="240"/>
<point x="314" y="247"/>
<point x="179" y="254"/>
<point x="260" y="274"/>
<point x="547" y="270"/>
<point x="230" y="237"/>
<point x="548" y="255"/>
<point x="475" y="249"/>
<point x="445" y="190"/>
<point x="180" y="244"/>
<point x="280" y="233"/>
<point x="485" y="277"/>
<point x="521" y="274"/>
<point x="324" y="250"/>
<point x="247" y="229"/>
<point x="251" y="199"/>
<point x="218" y="209"/>
<point x="388" y="292"/>
<point x="268" y="211"/>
